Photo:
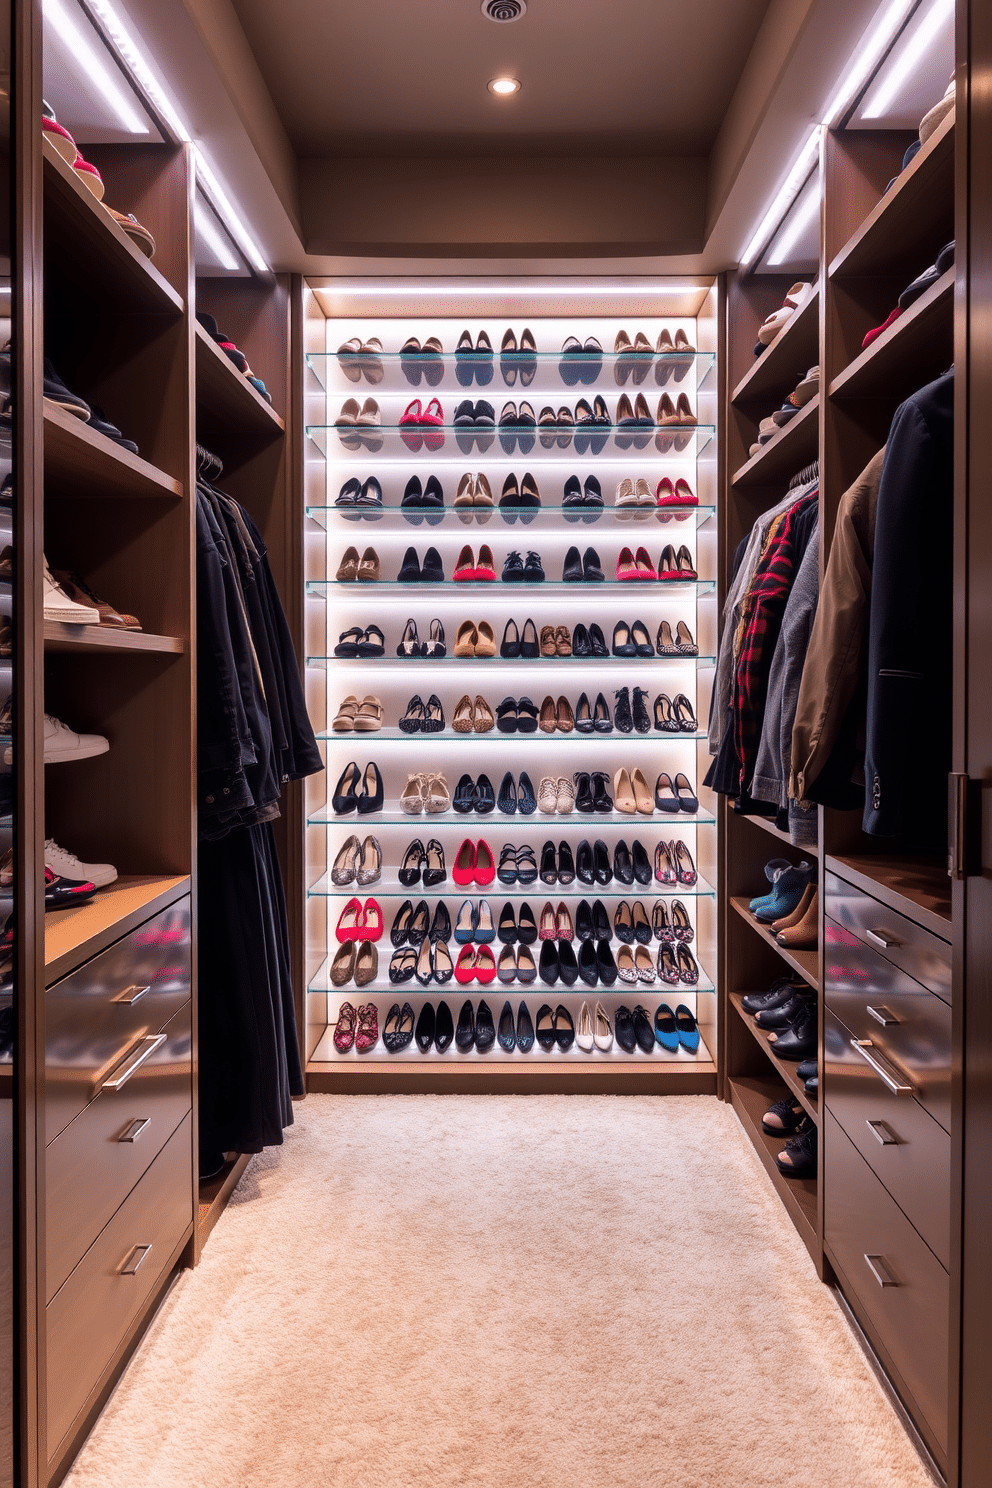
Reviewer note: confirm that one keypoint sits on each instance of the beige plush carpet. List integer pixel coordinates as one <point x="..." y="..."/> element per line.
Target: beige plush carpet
<point x="431" y="1291"/>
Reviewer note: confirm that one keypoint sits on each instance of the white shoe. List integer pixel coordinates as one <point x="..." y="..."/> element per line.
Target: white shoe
<point x="583" y="1031"/>
<point x="58" y="605"/>
<point x="67" y="865"/>
<point x="62" y="743"/>
<point x="603" y="1036"/>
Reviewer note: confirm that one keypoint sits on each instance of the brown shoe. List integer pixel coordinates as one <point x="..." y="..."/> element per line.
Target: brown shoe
<point x="563" y="640"/>
<point x="787" y="921"/>
<point x="548" y="647"/>
<point x="566" y="718"/>
<point x="466" y="638"/>
<point x="464" y="716"/>
<point x="485" y="640"/>
<point x="485" y="718"/>
<point x="348" y="567"/>
<point x="804" y="936"/>
<point x="368" y="569"/>
<point x="343" y="965"/>
<point x="548" y="720"/>
<point x="366" y="964"/>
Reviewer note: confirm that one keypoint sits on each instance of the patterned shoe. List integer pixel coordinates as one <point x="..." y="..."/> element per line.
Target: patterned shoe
<point x="368" y="1028"/>
<point x="344" y="1032"/>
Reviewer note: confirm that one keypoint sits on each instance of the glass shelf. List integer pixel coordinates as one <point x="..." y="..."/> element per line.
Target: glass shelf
<point x="391" y="888"/>
<point x="537" y="991"/>
<point x="493" y="736"/>
<point x="398" y="518"/>
<point x="395" y="373"/>
<point x="477" y="825"/>
<point x="390" y="441"/>
<point x="321" y="662"/>
<point x="611" y="586"/>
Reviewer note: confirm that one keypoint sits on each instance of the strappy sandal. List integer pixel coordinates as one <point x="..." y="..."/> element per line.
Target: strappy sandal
<point x="434" y="646"/>
<point x="348" y="641"/>
<point x="373" y="642"/>
<point x="410" y="644"/>
<point x="433" y="715"/>
<point x="684" y="715"/>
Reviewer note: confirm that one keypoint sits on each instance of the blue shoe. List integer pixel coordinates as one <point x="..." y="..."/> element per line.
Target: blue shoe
<point x="666" y="1028"/>
<point x="773" y="868"/>
<point x="485" y="930"/>
<point x="790" y="886"/>
<point x="688" y="1029"/>
<point x="466" y="923"/>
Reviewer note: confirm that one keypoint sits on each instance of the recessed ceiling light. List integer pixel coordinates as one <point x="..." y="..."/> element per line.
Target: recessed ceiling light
<point x="503" y="87"/>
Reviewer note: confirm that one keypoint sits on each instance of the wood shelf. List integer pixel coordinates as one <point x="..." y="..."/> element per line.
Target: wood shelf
<point x="99" y="638"/>
<point x="782" y="1067"/>
<point x="900" y="228"/>
<point x="794" y="446"/>
<point x="751" y="1098"/>
<point x="81" y="462"/>
<point x="115" y="269"/>
<point x="764" y="824"/>
<point x="922" y="337"/>
<point x="72" y="936"/>
<point x="916" y="886"/>
<point x="214" y="1195"/>
<point x="779" y="369"/>
<point x="228" y="409"/>
<point x="806" y="963"/>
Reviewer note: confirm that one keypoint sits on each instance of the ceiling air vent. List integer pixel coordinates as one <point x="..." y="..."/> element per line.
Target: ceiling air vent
<point x="504" y="10"/>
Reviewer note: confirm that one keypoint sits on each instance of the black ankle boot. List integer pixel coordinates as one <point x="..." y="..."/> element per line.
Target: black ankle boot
<point x="642" y="719"/>
<point x="621" y="712"/>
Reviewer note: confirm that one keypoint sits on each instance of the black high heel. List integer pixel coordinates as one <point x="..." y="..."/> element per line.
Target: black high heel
<point x="345" y="797"/>
<point x="510" y="644"/>
<point x="410" y="643"/>
<point x="434" y="647"/>
<point x="665" y="720"/>
<point x="684" y="714"/>
<point x="371" y="797"/>
<point x="412" y="721"/>
<point x="583" y="716"/>
<point x="602" y="722"/>
<point x="413" y="861"/>
<point x="602" y="800"/>
<point x="434" y="869"/>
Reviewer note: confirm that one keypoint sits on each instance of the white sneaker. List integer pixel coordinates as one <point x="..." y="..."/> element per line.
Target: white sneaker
<point x="62" y="743"/>
<point x="67" y="865"/>
<point x="58" y="605"/>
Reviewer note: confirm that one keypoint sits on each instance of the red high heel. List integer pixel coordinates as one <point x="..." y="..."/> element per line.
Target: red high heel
<point x="485" y="865"/>
<point x="350" y="921"/>
<point x="485" y="964"/>
<point x="371" y="921"/>
<point x="463" y="868"/>
<point x="465" y="965"/>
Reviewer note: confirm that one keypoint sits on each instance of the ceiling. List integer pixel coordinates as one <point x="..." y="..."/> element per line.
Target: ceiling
<point x="602" y="78"/>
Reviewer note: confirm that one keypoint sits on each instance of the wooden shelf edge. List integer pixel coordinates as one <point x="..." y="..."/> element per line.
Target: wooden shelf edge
<point x="507" y="1077"/>
<point x="785" y="1071"/>
<point x="863" y="873"/>
<point x="72" y="936"/>
<point x="806" y="963"/>
<point x="846" y="383"/>
<point x="782" y="349"/>
<point x="62" y="637"/>
<point x="59" y="171"/>
<point x="214" y="1196"/>
<point x="921" y="162"/>
<point x="776" y="449"/>
<point x="60" y="425"/>
<point x="798" y="1195"/>
<point x="238" y="381"/>
<point x="766" y="824"/>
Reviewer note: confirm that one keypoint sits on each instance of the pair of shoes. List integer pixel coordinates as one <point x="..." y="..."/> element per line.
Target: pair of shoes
<point x="359" y="862"/>
<point x="677" y="496"/>
<point x="472" y="795"/>
<point x="631" y="640"/>
<point x="521" y="499"/>
<point x="557" y="963"/>
<point x="631" y="925"/>
<point x="797" y="1040"/>
<point x="676" y="795"/>
<point x="630" y="710"/>
<point x="358" y="358"/>
<point x="631" y="793"/>
<point x="557" y="867"/>
<point x="671" y="565"/>
<point x="556" y="796"/>
<point x="516" y="966"/>
<point x="359" y="1029"/>
<point x="586" y="569"/>
<point x="422" y="427"/>
<point x="473" y="498"/>
<point x="475" y="640"/>
<point x="517" y="424"/>
<point x="676" y="963"/>
<point x="673" y="864"/>
<point x="580" y="362"/>
<point x="682" y="645"/>
<point x="674" y="931"/>
<point x="426" y="791"/>
<point x="523" y="928"/>
<point x="589" y="642"/>
<point x="596" y="964"/>
<point x="353" y="959"/>
<point x="592" y="863"/>
<point x="635" y="964"/>
<point x="517" y="570"/>
<point x="360" y="921"/>
<point x="397" y="1031"/>
<point x="411" y="644"/>
<point x="780" y="992"/>
<point x="556" y="716"/>
<point x="471" y="717"/>
<point x="513" y="798"/>
<point x="414" y="924"/>
<point x="516" y="716"/>
<point x="475" y="923"/>
<point x="367" y="418"/>
<point x="676" y="422"/>
<point x="352" y="569"/>
<point x="360" y="717"/>
<point x="584" y="500"/>
<point x="475" y="423"/>
<point x="789" y="882"/>
<point x="798" y="1158"/>
<point x="475" y="1027"/>
<point x="516" y="864"/>
<point x="556" y="924"/>
<point x="358" y="790"/>
<point x="358" y="642"/>
<point x="423" y="862"/>
<point x="674" y="1028"/>
<point x="357" y="499"/>
<point x="593" y="719"/>
<point x="673" y="356"/>
<point x="522" y="1037"/>
<point x="359" y="424"/>
<point x="474" y="863"/>
<point x="434" y="1027"/>
<point x="419" y="500"/>
<point x="467" y="571"/>
<point x="555" y="1029"/>
<point x="412" y="572"/>
<point x="61" y="742"/>
<point x="556" y="641"/>
<point x="517" y="643"/>
<point x="518" y="359"/>
<point x="634" y="498"/>
<point x="421" y="717"/>
<point x="474" y="362"/>
<point x="674" y="715"/>
<point x="773" y="325"/>
<point x="591" y="794"/>
<point x="799" y="931"/>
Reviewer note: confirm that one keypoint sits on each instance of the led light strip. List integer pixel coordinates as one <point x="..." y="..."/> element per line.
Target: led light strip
<point x="139" y="68"/>
<point x="494" y="287"/>
<point x="912" y="55"/>
<point x="61" y="20"/>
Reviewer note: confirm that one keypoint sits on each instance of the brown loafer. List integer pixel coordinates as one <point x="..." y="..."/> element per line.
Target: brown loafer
<point x="548" y="647"/>
<point x="566" y="718"/>
<point x="563" y="640"/>
<point x="368" y="569"/>
<point x="548" y="720"/>
<point x="348" y="567"/>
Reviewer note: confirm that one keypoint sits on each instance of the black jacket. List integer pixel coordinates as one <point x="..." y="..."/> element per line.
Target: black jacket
<point x="908" y="735"/>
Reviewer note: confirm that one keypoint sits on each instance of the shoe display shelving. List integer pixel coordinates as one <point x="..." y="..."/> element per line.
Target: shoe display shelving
<point x="391" y="453"/>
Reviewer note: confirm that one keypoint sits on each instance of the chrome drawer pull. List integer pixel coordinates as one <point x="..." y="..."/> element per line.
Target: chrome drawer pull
<point x="144" y="1050"/>
<point x="882" y="1015"/>
<point x="880" y="1271"/>
<point x="130" y="995"/>
<point x="882" y="1133"/>
<point x="133" y="1131"/>
<point x="133" y="1259"/>
<point x="886" y="1072"/>
<point x="883" y="938"/>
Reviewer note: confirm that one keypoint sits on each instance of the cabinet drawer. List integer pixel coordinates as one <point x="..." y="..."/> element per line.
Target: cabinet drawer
<point x="904" y="1147"/>
<point x="95" y="1015"/>
<point x="908" y="1024"/>
<point x="88" y="1318"/>
<point x="907" y="946"/>
<point x="902" y="1289"/>
<point x="93" y="1165"/>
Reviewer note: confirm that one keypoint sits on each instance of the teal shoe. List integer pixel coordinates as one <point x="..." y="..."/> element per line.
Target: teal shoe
<point x="666" y="1028"/>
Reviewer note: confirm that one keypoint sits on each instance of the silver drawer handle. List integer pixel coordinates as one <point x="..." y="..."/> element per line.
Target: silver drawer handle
<point x="882" y="1015"/>
<point x="883" y="938"/>
<point x="882" y="1133"/>
<point x="144" y="1050"/>
<point x="130" y="995"/>
<point x="133" y="1259"/>
<point x="880" y="1271"/>
<point x="885" y="1071"/>
<point x="133" y="1130"/>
